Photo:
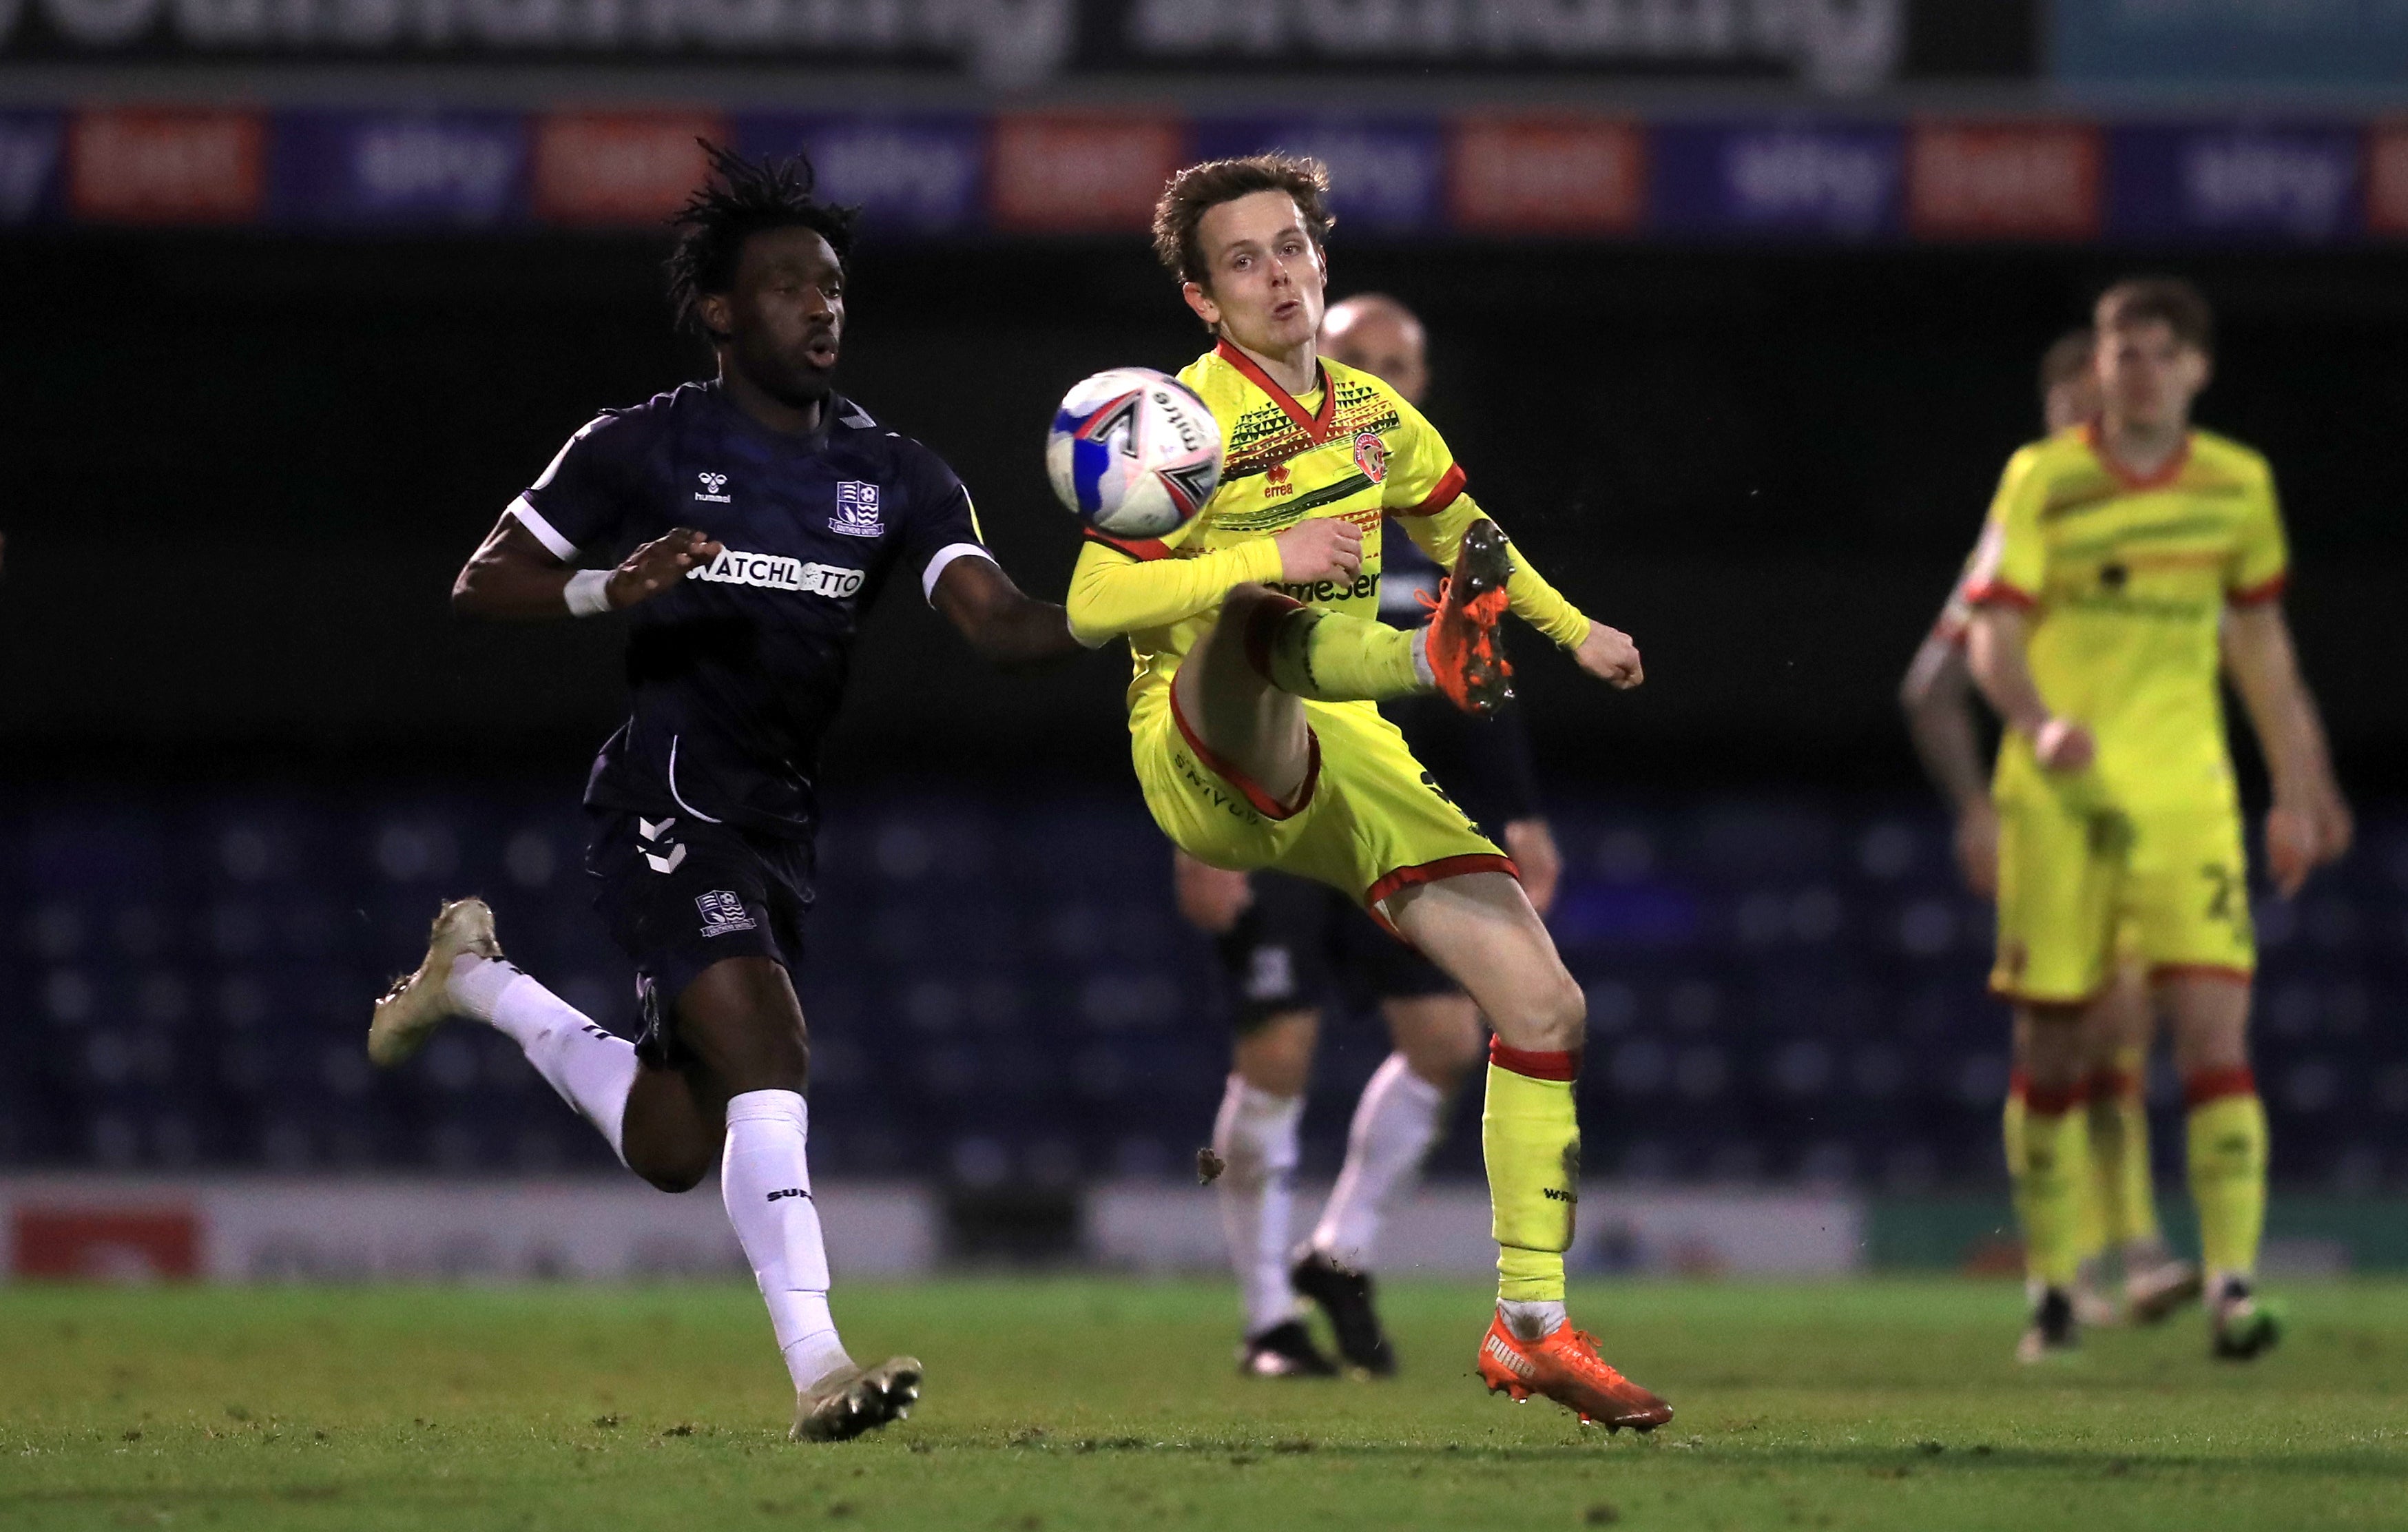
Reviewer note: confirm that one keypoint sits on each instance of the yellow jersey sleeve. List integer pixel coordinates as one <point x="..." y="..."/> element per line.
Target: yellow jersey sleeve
<point x="1423" y="477"/>
<point x="2261" y="559"/>
<point x="2011" y="564"/>
<point x="1114" y="591"/>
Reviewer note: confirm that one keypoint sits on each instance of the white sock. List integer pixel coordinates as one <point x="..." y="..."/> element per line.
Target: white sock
<point x="1255" y="1136"/>
<point x="1532" y="1319"/>
<point x="591" y="1069"/>
<point x="768" y="1189"/>
<point x="1423" y="671"/>
<point x="1394" y="1124"/>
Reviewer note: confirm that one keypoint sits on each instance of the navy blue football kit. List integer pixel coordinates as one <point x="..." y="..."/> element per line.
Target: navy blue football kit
<point x="704" y="803"/>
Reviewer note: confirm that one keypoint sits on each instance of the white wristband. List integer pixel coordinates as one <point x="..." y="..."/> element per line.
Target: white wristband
<point x="589" y="592"/>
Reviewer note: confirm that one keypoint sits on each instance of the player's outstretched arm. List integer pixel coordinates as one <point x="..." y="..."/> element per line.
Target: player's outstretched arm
<point x="1937" y="699"/>
<point x="2310" y="820"/>
<point x="1112" y="592"/>
<point x="1009" y="628"/>
<point x="1997" y="639"/>
<point x="513" y="577"/>
<point x="1607" y="653"/>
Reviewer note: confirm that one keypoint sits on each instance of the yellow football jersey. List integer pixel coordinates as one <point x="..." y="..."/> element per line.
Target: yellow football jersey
<point x="1355" y="448"/>
<point x="2125" y="579"/>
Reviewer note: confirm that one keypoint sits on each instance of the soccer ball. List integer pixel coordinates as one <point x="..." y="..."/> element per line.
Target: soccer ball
<point x="1133" y="453"/>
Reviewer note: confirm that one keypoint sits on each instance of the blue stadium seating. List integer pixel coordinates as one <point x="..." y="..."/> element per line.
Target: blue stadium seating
<point x="1786" y="990"/>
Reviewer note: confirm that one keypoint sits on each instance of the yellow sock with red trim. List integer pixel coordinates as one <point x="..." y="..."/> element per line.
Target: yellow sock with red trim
<point x="2121" y="1180"/>
<point x="2226" y="1145"/>
<point x="1330" y="656"/>
<point x="2048" y="1163"/>
<point x="1529" y="1134"/>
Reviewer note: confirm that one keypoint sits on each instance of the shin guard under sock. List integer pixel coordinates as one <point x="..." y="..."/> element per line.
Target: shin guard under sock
<point x="766" y="1185"/>
<point x="1330" y="656"/>
<point x="2050" y="1170"/>
<point x="2227" y="1148"/>
<point x="1529" y="1135"/>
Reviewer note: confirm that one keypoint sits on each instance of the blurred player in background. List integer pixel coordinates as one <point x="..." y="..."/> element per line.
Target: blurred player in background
<point x="1284" y="942"/>
<point x="2120" y="1201"/>
<point x="1260" y="660"/>
<point x="2113" y="559"/>
<point x="766" y="512"/>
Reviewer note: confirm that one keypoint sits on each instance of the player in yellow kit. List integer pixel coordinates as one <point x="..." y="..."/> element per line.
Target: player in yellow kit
<point x="1260" y="658"/>
<point x="2112" y="555"/>
<point x="2119" y="1216"/>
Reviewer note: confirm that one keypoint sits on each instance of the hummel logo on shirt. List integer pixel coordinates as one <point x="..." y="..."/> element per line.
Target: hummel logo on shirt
<point x="714" y="489"/>
<point x="775" y="572"/>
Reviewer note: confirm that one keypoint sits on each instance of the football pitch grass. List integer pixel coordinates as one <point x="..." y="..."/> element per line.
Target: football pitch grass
<point x="1075" y="1403"/>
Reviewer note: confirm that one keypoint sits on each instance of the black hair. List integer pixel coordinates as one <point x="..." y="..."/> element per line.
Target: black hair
<point x="738" y="199"/>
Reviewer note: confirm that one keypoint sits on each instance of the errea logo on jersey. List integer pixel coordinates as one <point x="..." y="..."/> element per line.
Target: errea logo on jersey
<point x="714" y="489"/>
<point x="773" y="572"/>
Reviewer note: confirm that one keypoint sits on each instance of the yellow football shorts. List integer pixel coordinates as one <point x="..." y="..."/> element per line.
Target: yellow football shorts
<point x="1369" y="820"/>
<point x="2081" y="888"/>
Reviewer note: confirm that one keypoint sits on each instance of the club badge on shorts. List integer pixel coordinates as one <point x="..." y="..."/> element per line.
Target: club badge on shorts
<point x="722" y="912"/>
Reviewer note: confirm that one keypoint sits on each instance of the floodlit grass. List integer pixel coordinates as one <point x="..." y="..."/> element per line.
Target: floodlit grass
<point x="1076" y="1403"/>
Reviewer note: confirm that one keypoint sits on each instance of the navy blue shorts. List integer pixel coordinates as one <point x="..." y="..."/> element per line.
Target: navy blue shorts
<point x="1302" y="945"/>
<point x="680" y="893"/>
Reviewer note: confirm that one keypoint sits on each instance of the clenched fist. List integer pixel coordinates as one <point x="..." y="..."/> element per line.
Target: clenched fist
<point x="659" y="565"/>
<point x="1323" y="548"/>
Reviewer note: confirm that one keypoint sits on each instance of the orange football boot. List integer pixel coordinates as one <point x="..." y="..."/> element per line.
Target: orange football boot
<point x="1565" y="1368"/>
<point x="1465" y="646"/>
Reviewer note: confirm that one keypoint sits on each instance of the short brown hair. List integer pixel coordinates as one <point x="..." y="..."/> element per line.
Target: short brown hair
<point x="1200" y="188"/>
<point x="2159" y="300"/>
<point x="2068" y="357"/>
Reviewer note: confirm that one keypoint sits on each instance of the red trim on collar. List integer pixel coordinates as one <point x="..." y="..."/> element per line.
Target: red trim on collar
<point x="1316" y="424"/>
<point x="2167" y="472"/>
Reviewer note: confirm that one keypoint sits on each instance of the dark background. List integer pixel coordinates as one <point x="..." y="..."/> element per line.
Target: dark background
<point x="245" y="469"/>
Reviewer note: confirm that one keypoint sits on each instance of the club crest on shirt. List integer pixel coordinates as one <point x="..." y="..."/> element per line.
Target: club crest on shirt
<point x="856" y="510"/>
<point x="714" y="488"/>
<point x="1371" y="457"/>
<point x="722" y="912"/>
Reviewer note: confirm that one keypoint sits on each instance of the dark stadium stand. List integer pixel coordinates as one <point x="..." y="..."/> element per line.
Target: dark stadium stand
<point x="1778" y="990"/>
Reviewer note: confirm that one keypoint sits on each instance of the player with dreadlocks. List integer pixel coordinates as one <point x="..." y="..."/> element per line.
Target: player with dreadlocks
<point x="765" y="513"/>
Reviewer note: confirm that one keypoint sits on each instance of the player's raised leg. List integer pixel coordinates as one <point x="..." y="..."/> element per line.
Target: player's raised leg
<point x="465" y="974"/>
<point x="1481" y="929"/>
<point x="2227" y="1151"/>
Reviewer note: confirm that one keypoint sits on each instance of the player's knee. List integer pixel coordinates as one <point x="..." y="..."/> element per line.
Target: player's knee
<point x="679" y="1170"/>
<point x="1553" y="1017"/>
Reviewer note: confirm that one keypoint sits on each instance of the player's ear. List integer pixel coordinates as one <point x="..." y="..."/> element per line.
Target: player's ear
<point x="712" y="310"/>
<point x="1201" y="301"/>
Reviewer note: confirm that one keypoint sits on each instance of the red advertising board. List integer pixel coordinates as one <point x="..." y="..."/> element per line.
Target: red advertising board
<point x="141" y="165"/>
<point x="1085" y="174"/>
<point x="603" y="170"/>
<point x="1546" y="175"/>
<point x="2387" y="178"/>
<point x="109" y="1244"/>
<point x="1994" y="180"/>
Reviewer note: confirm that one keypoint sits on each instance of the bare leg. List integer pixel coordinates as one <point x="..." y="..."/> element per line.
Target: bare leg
<point x="1481" y="930"/>
<point x="743" y="1029"/>
<point x="1239" y="715"/>
<point x="1440" y="1036"/>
